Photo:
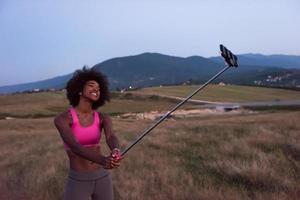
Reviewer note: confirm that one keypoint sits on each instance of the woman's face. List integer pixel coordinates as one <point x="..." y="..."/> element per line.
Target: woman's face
<point x="91" y="90"/>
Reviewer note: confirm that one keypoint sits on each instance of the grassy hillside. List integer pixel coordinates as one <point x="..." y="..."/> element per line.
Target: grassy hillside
<point x="48" y="104"/>
<point x="228" y="93"/>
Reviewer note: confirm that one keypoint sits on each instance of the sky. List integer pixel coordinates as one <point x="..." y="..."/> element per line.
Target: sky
<point x="44" y="39"/>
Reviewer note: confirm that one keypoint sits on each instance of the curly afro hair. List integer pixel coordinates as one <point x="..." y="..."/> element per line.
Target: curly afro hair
<point x="80" y="77"/>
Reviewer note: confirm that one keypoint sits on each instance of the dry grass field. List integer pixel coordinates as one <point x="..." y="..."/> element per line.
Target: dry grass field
<point x="240" y="156"/>
<point x="48" y="104"/>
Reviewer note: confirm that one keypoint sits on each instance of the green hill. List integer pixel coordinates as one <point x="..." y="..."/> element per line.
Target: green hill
<point x="154" y="69"/>
<point x="228" y="93"/>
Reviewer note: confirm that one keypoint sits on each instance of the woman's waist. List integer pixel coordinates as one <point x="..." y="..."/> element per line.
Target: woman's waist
<point x="93" y="144"/>
<point x="87" y="175"/>
<point x="84" y="165"/>
<point x="81" y="164"/>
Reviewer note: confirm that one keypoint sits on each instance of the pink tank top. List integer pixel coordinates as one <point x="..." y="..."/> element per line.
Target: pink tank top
<point x="86" y="136"/>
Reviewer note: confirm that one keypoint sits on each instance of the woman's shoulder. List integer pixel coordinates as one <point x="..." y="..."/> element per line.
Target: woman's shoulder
<point x="103" y="115"/>
<point x="64" y="116"/>
<point x="104" y="118"/>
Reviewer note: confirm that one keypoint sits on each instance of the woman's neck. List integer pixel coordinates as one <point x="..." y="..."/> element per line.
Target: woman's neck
<point x="84" y="106"/>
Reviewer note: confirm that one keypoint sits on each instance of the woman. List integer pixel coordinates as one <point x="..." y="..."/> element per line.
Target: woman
<point x="80" y="128"/>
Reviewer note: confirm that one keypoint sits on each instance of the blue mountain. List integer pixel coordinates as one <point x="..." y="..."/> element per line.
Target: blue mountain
<point x="153" y="69"/>
<point x="281" y="61"/>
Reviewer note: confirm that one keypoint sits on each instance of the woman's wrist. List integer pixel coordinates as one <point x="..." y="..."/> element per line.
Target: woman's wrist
<point x="116" y="149"/>
<point x="116" y="153"/>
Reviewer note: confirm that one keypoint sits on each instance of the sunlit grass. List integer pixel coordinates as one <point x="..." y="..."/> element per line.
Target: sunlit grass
<point x="228" y="93"/>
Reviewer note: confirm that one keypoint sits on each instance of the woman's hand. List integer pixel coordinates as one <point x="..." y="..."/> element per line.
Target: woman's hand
<point x="116" y="156"/>
<point x="108" y="162"/>
<point x="112" y="161"/>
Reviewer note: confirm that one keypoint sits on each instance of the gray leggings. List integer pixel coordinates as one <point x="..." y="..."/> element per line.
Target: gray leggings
<point x="85" y="185"/>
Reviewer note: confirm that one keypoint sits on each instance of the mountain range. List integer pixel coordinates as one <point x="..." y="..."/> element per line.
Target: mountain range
<point x="153" y="69"/>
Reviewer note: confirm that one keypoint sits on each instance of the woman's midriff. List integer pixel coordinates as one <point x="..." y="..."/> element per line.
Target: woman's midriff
<point x="80" y="164"/>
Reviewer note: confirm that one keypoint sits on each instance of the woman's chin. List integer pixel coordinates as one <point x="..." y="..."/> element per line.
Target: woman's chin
<point x="92" y="98"/>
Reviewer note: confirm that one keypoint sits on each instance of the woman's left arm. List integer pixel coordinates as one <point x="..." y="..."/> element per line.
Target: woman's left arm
<point x="111" y="139"/>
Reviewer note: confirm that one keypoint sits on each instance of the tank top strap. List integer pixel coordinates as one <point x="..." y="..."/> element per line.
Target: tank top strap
<point x="97" y="117"/>
<point x="74" y="115"/>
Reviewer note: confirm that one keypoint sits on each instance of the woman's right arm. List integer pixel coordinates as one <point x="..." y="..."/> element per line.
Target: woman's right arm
<point x="65" y="131"/>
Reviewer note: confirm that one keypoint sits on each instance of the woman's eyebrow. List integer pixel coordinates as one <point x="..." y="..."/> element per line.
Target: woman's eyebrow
<point x="93" y="84"/>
